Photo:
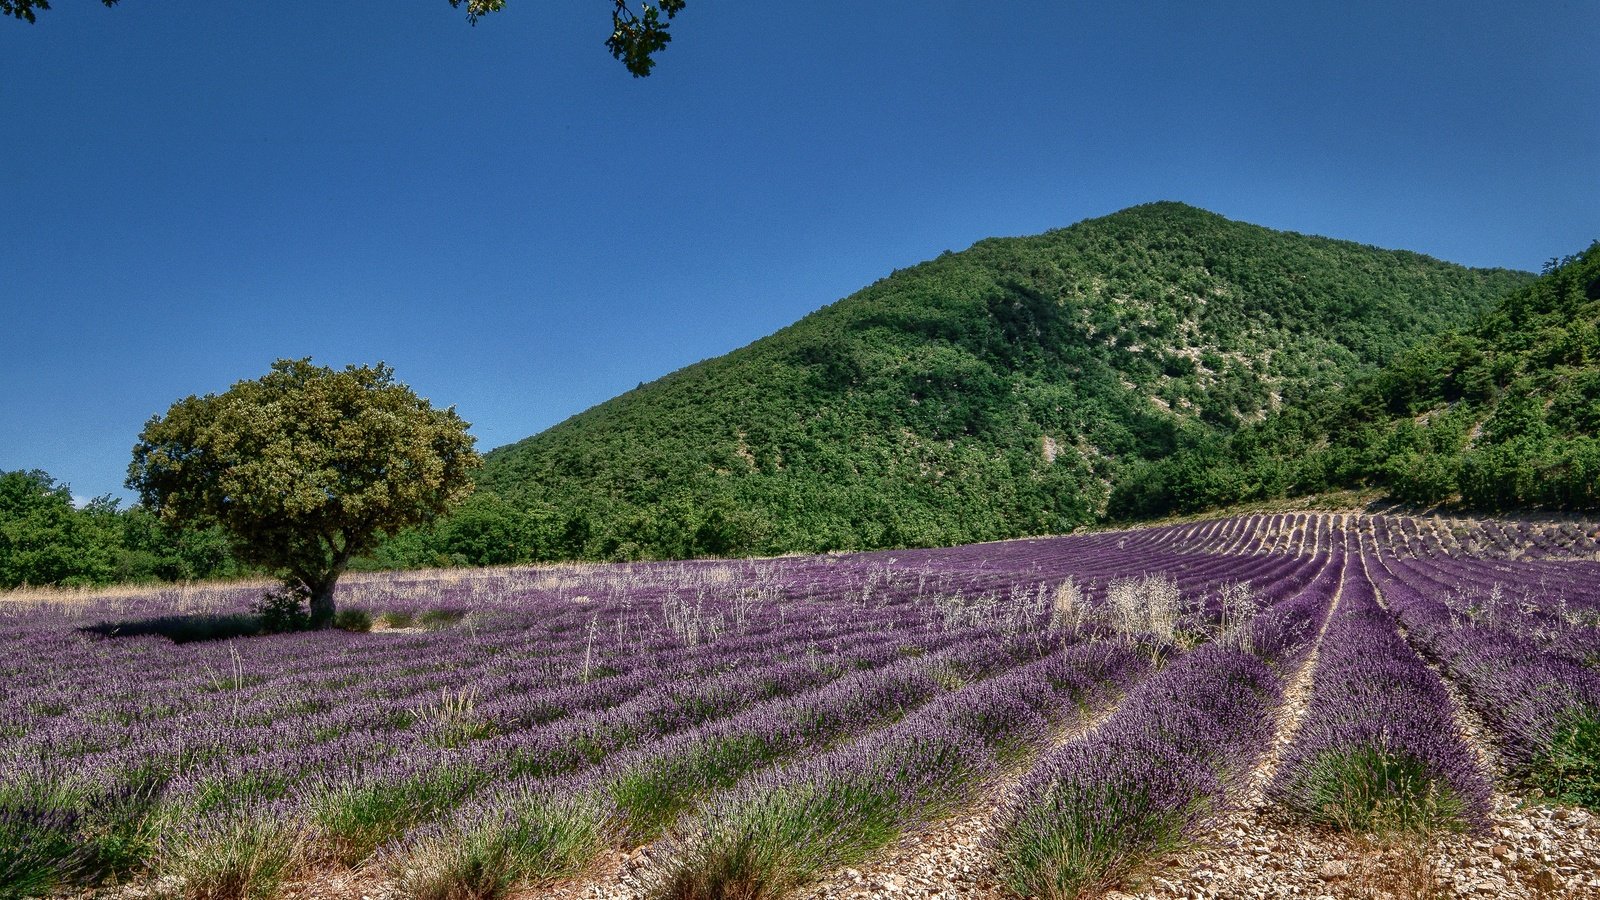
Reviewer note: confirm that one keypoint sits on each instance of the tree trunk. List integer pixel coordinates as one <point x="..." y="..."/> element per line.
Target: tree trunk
<point x="322" y="601"/>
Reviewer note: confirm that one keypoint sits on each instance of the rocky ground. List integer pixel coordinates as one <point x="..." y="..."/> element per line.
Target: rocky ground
<point x="1531" y="851"/>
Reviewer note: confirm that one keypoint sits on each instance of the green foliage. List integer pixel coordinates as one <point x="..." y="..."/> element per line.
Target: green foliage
<point x="356" y="620"/>
<point x="46" y="540"/>
<point x="1371" y="790"/>
<point x="439" y="619"/>
<point x="56" y="833"/>
<point x="485" y="530"/>
<point x="305" y="467"/>
<point x="282" y="610"/>
<point x="39" y="851"/>
<point x="1501" y="415"/>
<point x="27" y="10"/>
<point x="532" y="838"/>
<point x="349" y="820"/>
<point x="397" y="619"/>
<point x="1070" y="851"/>
<point x="237" y="856"/>
<point x="1569" y="770"/>
<point x="636" y="37"/>
<point x="1006" y="390"/>
<point x="774" y="843"/>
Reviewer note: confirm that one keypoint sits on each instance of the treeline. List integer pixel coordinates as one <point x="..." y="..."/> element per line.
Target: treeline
<point x="1500" y="416"/>
<point x="46" y="540"/>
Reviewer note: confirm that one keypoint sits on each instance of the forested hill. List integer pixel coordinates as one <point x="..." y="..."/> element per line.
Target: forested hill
<point x="1501" y="415"/>
<point x="984" y="394"/>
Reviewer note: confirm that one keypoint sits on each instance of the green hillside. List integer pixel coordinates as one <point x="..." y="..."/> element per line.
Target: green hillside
<point x="1501" y="415"/>
<point x="999" y="391"/>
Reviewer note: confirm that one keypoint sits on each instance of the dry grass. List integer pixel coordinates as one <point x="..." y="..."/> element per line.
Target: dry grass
<point x="194" y="594"/>
<point x="1144" y="604"/>
<point x="1396" y="867"/>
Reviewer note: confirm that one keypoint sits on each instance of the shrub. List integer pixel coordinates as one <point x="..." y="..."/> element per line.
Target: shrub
<point x="397" y="618"/>
<point x="1374" y="789"/>
<point x="1090" y="835"/>
<point x="453" y="721"/>
<point x="233" y="856"/>
<point x="351" y="819"/>
<point x="357" y="620"/>
<point x="39" y="851"/>
<point x="55" y="835"/>
<point x="283" y="610"/>
<point x="535" y="833"/>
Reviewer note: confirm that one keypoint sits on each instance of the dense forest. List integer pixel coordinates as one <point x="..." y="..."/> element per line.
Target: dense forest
<point x="1501" y="415"/>
<point x="1008" y="389"/>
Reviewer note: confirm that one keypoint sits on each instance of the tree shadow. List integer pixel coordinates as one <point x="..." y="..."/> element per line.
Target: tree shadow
<point x="183" y="629"/>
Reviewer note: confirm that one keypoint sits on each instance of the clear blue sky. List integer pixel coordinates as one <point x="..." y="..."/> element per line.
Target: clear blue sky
<point x="191" y="189"/>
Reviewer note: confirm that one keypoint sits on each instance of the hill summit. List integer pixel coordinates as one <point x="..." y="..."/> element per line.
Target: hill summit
<point x="990" y="393"/>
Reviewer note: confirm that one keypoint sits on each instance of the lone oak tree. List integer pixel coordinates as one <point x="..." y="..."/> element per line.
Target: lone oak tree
<point x="305" y="468"/>
<point x="635" y="36"/>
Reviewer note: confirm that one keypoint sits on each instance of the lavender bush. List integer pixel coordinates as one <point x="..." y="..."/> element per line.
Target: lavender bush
<point x="1380" y="748"/>
<point x="1541" y="705"/>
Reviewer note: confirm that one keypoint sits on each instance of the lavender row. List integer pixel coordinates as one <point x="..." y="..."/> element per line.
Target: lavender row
<point x="785" y="827"/>
<point x="532" y="828"/>
<point x="352" y="809"/>
<point x="1421" y="538"/>
<point x="364" y="793"/>
<point x="247" y="711"/>
<point x="1379" y="748"/>
<point x="234" y="724"/>
<point x="1159" y="767"/>
<point x="268" y="670"/>
<point x="586" y="719"/>
<point x="228" y="738"/>
<point x="1542" y="707"/>
<point x="1556" y="609"/>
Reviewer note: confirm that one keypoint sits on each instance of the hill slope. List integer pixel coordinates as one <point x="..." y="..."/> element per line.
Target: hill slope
<point x="1503" y="414"/>
<point x="989" y="393"/>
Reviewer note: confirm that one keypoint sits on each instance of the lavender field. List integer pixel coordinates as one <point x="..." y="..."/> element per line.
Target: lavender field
<point x="1311" y="704"/>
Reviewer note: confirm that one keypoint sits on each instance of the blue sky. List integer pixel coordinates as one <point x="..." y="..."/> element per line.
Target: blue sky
<point x="191" y="189"/>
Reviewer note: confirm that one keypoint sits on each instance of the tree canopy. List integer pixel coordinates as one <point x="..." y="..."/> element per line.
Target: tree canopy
<point x="305" y="467"/>
<point x="636" y="36"/>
